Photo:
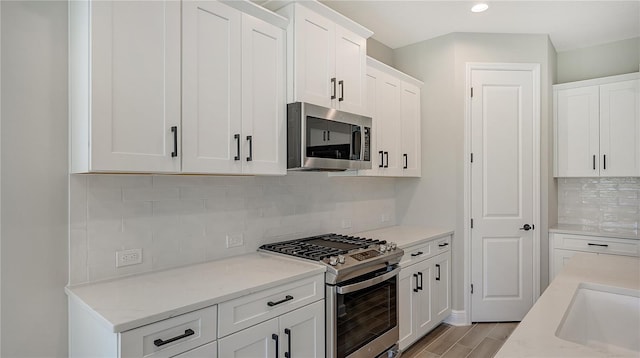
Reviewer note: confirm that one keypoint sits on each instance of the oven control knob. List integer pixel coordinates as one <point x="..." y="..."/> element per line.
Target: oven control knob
<point x="382" y="248"/>
<point x="333" y="260"/>
<point x="392" y="246"/>
<point x="341" y="259"/>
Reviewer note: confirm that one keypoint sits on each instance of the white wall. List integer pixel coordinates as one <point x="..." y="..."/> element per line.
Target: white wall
<point x="437" y="199"/>
<point x="34" y="199"/>
<point x="181" y="220"/>
<point x="379" y="51"/>
<point x="609" y="59"/>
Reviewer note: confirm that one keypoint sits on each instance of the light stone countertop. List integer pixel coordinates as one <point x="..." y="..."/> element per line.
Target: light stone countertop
<point x="131" y="302"/>
<point x="406" y="236"/>
<point x="595" y="231"/>
<point x="535" y="335"/>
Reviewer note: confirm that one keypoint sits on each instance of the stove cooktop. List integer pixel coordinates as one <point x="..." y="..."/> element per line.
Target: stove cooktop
<point x="320" y="247"/>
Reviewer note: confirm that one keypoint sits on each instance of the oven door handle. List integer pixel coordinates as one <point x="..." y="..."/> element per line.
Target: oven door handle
<point x="368" y="283"/>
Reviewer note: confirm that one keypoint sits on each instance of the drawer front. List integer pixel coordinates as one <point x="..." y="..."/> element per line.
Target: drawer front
<point x="597" y="244"/>
<point x="441" y="245"/>
<point x="246" y="311"/>
<point x="416" y="253"/>
<point x="171" y="336"/>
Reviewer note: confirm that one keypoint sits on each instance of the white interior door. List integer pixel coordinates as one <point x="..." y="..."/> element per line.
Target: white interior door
<point x="503" y="125"/>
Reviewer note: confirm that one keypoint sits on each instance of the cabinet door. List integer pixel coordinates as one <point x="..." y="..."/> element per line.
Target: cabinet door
<point x="406" y="305"/>
<point x="351" y="71"/>
<point x="389" y="95"/>
<point x="620" y="129"/>
<point x="314" y="58"/>
<point x="577" y="132"/>
<point x="424" y="316"/>
<point x="135" y="86"/>
<point x="442" y="287"/>
<point x="302" y="332"/>
<point x="211" y="88"/>
<point x="258" y="341"/>
<point x="264" y="131"/>
<point x="373" y="76"/>
<point x="410" y="154"/>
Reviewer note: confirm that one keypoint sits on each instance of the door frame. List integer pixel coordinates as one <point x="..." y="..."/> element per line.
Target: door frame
<point x="534" y="68"/>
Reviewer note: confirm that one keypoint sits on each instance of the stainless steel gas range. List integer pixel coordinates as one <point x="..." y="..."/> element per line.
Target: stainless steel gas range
<point x="361" y="291"/>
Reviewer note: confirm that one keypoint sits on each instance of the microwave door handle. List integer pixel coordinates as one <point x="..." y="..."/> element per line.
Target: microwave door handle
<point x="368" y="283"/>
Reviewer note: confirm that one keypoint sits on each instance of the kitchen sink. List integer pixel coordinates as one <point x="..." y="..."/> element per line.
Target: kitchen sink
<point x="603" y="317"/>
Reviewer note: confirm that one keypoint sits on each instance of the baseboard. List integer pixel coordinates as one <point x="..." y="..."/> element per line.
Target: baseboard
<point x="457" y="318"/>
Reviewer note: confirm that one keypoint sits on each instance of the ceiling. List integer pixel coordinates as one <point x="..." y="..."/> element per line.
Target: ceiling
<point x="570" y="24"/>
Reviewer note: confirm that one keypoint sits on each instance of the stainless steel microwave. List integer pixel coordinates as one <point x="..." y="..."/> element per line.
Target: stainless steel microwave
<point x="326" y="139"/>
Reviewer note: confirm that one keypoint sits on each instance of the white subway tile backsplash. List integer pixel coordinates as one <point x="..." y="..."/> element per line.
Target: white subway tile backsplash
<point x="180" y="220"/>
<point x="607" y="203"/>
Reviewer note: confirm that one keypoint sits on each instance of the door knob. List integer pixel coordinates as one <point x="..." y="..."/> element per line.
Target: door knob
<point x="527" y="227"/>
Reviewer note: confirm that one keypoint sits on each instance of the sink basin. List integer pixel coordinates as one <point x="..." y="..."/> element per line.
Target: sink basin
<point x="603" y="317"/>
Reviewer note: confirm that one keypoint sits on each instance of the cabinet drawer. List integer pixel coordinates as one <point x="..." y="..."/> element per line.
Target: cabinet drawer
<point x="419" y="252"/>
<point x="597" y="244"/>
<point x="441" y="245"/>
<point x="246" y="311"/>
<point x="416" y="253"/>
<point x="171" y="336"/>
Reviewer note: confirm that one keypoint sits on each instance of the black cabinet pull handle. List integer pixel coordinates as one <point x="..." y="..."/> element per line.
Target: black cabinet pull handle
<point x="333" y="82"/>
<point x="250" y="157"/>
<point x="417" y="288"/>
<point x="381" y="165"/>
<point x="324" y="136"/>
<point x="341" y="84"/>
<point x="420" y="274"/>
<point x="417" y="253"/>
<point x="594" y="162"/>
<point x="406" y="161"/>
<point x="286" y="298"/>
<point x="437" y="272"/>
<point x="287" y="354"/>
<point x="187" y="332"/>
<point x="328" y="135"/>
<point x="174" y="129"/>
<point x="237" y="138"/>
<point x="604" y="161"/>
<point x="386" y="154"/>
<point x="600" y="245"/>
<point x="275" y="338"/>
<point x="443" y="245"/>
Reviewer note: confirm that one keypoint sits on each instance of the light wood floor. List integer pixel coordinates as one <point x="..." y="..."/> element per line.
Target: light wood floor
<point x="480" y="340"/>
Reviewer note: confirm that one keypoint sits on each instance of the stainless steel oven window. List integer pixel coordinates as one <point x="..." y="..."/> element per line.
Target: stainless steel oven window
<point x="364" y="314"/>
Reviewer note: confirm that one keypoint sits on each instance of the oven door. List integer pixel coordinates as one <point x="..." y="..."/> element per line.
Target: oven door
<point x="362" y="315"/>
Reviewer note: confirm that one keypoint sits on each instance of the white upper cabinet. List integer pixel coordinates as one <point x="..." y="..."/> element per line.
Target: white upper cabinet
<point x="393" y="101"/>
<point x="620" y="129"/>
<point x="264" y="131"/>
<point x="129" y="64"/>
<point x="327" y="54"/>
<point x="124" y="60"/>
<point x="211" y="87"/>
<point x="597" y="127"/>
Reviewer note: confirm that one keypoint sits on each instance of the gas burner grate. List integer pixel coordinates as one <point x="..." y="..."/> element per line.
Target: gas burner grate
<point x="321" y="246"/>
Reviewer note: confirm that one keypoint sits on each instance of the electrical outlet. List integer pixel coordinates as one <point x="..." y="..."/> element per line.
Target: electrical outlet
<point x="128" y="257"/>
<point x="234" y="240"/>
<point x="346" y="223"/>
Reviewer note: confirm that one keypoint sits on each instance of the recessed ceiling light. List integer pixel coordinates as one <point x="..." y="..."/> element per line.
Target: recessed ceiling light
<point x="479" y="7"/>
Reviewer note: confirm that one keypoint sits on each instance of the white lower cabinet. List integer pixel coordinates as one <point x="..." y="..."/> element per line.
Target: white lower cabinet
<point x="563" y="246"/>
<point x="425" y="291"/>
<point x="300" y="333"/>
<point x="207" y="351"/>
